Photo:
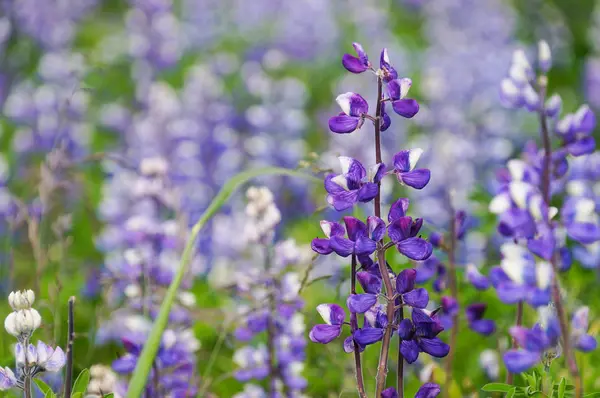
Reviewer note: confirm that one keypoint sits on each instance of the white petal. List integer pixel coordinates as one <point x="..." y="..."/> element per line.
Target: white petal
<point x="519" y="58"/>
<point x="372" y="171"/>
<point x="341" y="181"/>
<point x="519" y="191"/>
<point x="325" y="311"/>
<point x="552" y="212"/>
<point x="544" y="53"/>
<point x="518" y="73"/>
<point x="326" y="227"/>
<point x="513" y="263"/>
<point x="413" y="157"/>
<point x="405" y="84"/>
<point x="509" y="88"/>
<point x="564" y="124"/>
<point x="584" y="210"/>
<point x="543" y="272"/>
<point x="500" y="203"/>
<point x="343" y="101"/>
<point x="516" y="168"/>
<point x="345" y="161"/>
<point x="535" y="206"/>
<point x="576" y="188"/>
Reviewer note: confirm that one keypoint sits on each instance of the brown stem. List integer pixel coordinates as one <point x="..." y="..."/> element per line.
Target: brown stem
<point x="389" y="289"/>
<point x="273" y="371"/>
<point x="360" y="383"/>
<point x="556" y="297"/>
<point x="515" y="344"/>
<point x="70" y="338"/>
<point x="454" y="293"/>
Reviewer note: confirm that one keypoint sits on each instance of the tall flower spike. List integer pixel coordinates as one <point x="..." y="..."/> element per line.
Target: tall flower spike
<point x="354" y="108"/>
<point x="356" y="64"/>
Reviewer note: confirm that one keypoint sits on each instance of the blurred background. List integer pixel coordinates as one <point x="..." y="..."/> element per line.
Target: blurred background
<point x="93" y="90"/>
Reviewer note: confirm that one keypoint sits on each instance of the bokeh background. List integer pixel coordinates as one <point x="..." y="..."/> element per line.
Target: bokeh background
<point x="91" y="88"/>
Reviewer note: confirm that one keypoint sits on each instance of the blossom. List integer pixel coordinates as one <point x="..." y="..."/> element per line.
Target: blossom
<point x="334" y="317"/>
<point x="534" y="342"/>
<point x="475" y="319"/>
<point x="356" y="64"/>
<point x="579" y="327"/>
<point x="575" y="131"/>
<point x="427" y="390"/>
<point x="418" y="334"/>
<point x="404" y="168"/>
<point x="354" y="108"/>
<point x="361" y="239"/>
<point x="403" y="231"/>
<point x="581" y="219"/>
<point x="397" y="91"/>
<point x="354" y="184"/>
<point x="7" y="379"/>
<point x="479" y="281"/>
<point x="405" y="288"/>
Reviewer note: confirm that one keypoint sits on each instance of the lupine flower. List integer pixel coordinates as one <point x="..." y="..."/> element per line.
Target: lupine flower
<point x="419" y="335"/>
<point x="579" y="328"/>
<point x="575" y="131"/>
<point x="354" y="108"/>
<point x="334" y="317"/>
<point x="387" y="71"/>
<point x="537" y="344"/>
<point x="427" y="390"/>
<point x="397" y="91"/>
<point x="361" y="238"/>
<point x="404" y="168"/>
<point x="355" y="184"/>
<point x="475" y="319"/>
<point x="519" y="278"/>
<point x="581" y="219"/>
<point x="409" y="295"/>
<point x="356" y="64"/>
<point x="403" y="231"/>
<point x="449" y="308"/>
<point x="479" y="281"/>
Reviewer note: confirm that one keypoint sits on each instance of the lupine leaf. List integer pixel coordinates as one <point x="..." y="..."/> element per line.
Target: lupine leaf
<point x="594" y="394"/>
<point x="44" y="388"/>
<point x="511" y="393"/>
<point x="562" y="387"/>
<point x="496" y="387"/>
<point x="142" y="369"/>
<point x="82" y="381"/>
<point x="111" y="395"/>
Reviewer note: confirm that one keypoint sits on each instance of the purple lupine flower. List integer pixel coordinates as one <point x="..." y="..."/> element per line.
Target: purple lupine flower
<point x="372" y="331"/>
<point x="356" y="64"/>
<point x="354" y="185"/>
<point x="334" y="317"/>
<point x="449" y="308"/>
<point x="361" y="239"/>
<point x="409" y="295"/>
<point x="354" y="108"/>
<point x="387" y="71"/>
<point x="404" y="168"/>
<point x="519" y="278"/>
<point x="475" y="319"/>
<point x="581" y="219"/>
<point x="479" y="281"/>
<point x="403" y="231"/>
<point x="534" y="342"/>
<point x="428" y="390"/>
<point x="579" y="328"/>
<point x="575" y="130"/>
<point x="419" y="335"/>
<point x="397" y="91"/>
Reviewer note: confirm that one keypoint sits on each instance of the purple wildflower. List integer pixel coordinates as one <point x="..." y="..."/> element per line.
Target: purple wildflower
<point x="354" y="108"/>
<point x="404" y="168"/>
<point x="403" y="231"/>
<point x="354" y="185"/>
<point x="356" y="64"/>
<point x="418" y="334"/>
<point x="475" y="319"/>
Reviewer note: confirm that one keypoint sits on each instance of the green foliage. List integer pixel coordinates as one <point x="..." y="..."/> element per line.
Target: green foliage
<point x="82" y="382"/>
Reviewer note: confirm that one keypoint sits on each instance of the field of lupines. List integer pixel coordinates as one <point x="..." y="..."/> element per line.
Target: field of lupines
<point x="299" y="198"/>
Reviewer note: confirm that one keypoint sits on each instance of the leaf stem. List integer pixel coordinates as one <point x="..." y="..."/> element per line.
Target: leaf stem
<point x="70" y="338"/>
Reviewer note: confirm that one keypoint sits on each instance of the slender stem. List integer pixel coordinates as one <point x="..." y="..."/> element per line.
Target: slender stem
<point x="70" y="338"/>
<point x="556" y="297"/>
<point x="360" y="384"/>
<point x="454" y="293"/>
<point x="27" y="385"/>
<point x="515" y="344"/>
<point x="273" y="371"/>
<point x="389" y="289"/>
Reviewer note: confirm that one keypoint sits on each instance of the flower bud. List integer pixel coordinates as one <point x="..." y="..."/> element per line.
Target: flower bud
<point x="544" y="56"/>
<point x="553" y="105"/>
<point x="21" y="324"/>
<point x="21" y="300"/>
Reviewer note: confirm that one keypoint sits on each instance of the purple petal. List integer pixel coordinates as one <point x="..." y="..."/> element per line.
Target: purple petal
<point x="418" y="298"/>
<point x="348" y="344"/>
<point x="415" y="248"/>
<point x="125" y="364"/>
<point x="405" y="281"/>
<point x="332" y="314"/>
<point x="331" y="228"/>
<point x="343" y="200"/>
<point x="584" y="232"/>
<point x="586" y="343"/>
<point x="368" y="335"/>
<point x="376" y="228"/>
<point x="483" y="326"/>
<point x="449" y="305"/>
<point x="352" y="104"/>
<point x="386" y="121"/>
<point x="400" y="229"/>
<point x="398" y="209"/>
<point x="342" y="246"/>
<point x="402" y="161"/>
<point x="417" y="179"/>
<point x="384" y="64"/>
<point x="476" y="278"/>
<point x="321" y="246"/>
<point x="434" y="347"/>
<point x="518" y="361"/>
<point x="389" y="393"/>
<point x="475" y="311"/>
<point x="331" y="186"/>
<point x="353" y="170"/>
<point x="409" y="350"/>
<point x="538" y="297"/>
<point x="583" y="146"/>
<point x="369" y="282"/>
<point x="353" y="64"/>
<point x="343" y="124"/>
<point x="428" y="390"/>
<point x="367" y="192"/>
<point x="428" y="329"/>
<point x="355" y="227"/>
<point x="405" y="329"/>
<point x="406" y="107"/>
<point x="324" y="334"/>
<point x="364" y="246"/>
<point x="360" y="303"/>
<point x="585" y="120"/>
<point x="511" y="293"/>
<point x="361" y="53"/>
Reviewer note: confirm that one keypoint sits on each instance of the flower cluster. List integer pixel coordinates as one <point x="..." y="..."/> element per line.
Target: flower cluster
<point x="31" y="360"/>
<point x="270" y="303"/>
<point x="360" y="240"/>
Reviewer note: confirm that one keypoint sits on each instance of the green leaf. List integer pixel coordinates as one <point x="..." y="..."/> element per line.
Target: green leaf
<point x="140" y="374"/>
<point x="532" y="380"/>
<point x="44" y="388"/>
<point x="82" y="381"/>
<point x="511" y="393"/>
<point x="496" y="387"/>
<point x="77" y="395"/>
<point x="562" y="386"/>
<point x="111" y="395"/>
<point x="594" y="394"/>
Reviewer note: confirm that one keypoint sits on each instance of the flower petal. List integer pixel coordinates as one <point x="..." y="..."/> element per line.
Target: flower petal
<point x="369" y="282"/>
<point x="360" y="303"/>
<point x="476" y="278"/>
<point x="368" y="336"/>
<point x="353" y="64"/>
<point x="324" y="334"/>
<point x="409" y="350"/>
<point x="418" y="298"/>
<point x="417" y="179"/>
<point x="415" y="248"/>
<point x="364" y="246"/>
<point x="584" y="232"/>
<point x="355" y="227"/>
<point x="586" y="343"/>
<point x="343" y="124"/>
<point x="389" y="393"/>
<point x="352" y="104"/>
<point x="125" y="364"/>
<point x="475" y="311"/>
<point x="376" y="228"/>
<point x="407" y="107"/>
<point x="398" y="209"/>
<point x="518" y="361"/>
<point x="483" y="326"/>
<point x="321" y="246"/>
<point x="332" y="314"/>
<point x="405" y="281"/>
<point x="583" y="146"/>
<point x="342" y="246"/>
<point x="367" y="192"/>
<point x="434" y="347"/>
<point x="428" y="390"/>
<point x="405" y="329"/>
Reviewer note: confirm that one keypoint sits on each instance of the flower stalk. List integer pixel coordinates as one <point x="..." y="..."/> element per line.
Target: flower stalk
<point x="451" y="252"/>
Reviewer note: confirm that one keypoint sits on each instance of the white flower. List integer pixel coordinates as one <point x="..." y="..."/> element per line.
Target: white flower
<point x="21" y="300"/>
